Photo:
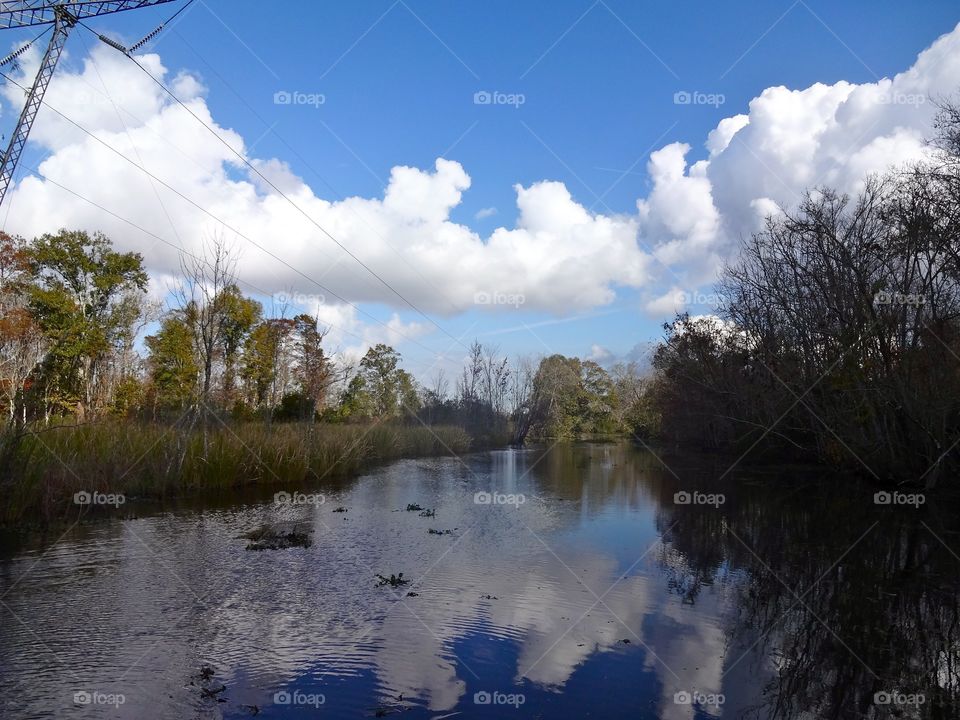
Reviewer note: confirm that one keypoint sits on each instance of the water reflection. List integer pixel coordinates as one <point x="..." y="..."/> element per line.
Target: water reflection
<point x="596" y="596"/>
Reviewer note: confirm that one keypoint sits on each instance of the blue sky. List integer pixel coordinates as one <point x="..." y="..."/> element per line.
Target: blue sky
<point x="598" y="82"/>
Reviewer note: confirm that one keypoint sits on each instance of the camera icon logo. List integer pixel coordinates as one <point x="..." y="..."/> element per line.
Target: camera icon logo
<point x="882" y="498"/>
<point x="482" y="698"/>
<point x="682" y="97"/>
<point x="481" y="298"/>
<point x="482" y="98"/>
<point x="282" y="698"/>
<point x="82" y="697"/>
<point x="282" y="97"/>
<point x="682" y="698"/>
<point x="882" y="698"/>
<point x="482" y="498"/>
<point x="281" y="498"/>
<point x="82" y="498"/>
<point x="681" y="498"/>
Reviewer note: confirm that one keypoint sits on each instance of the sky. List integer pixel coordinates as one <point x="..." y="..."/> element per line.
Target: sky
<point x="544" y="176"/>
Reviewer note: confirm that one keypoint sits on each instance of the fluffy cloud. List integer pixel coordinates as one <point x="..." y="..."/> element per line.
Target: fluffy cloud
<point x="761" y="161"/>
<point x="561" y="257"/>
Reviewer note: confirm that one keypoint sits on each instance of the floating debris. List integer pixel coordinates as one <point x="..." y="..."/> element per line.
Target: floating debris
<point x="413" y="507"/>
<point x="341" y="509"/>
<point x="393" y="581"/>
<point x="489" y="597"/>
<point x="428" y="513"/>
<point x="212" y="692"/>
<point x="269" y="537"/>
<point x="431" y="531"/>
<point x="208" y="691"/>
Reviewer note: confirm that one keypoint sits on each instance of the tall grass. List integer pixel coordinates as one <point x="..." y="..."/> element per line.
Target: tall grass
<point x="155" y="461"/>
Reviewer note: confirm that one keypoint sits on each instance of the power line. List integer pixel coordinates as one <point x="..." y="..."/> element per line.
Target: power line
<point x="269" y="182"/>
<point x="132" y="145"/>
<point x="23" y="48"/>
<point x="159" y="238"/>
<point x="225" y="224"/>
<point x="293" y="150"/>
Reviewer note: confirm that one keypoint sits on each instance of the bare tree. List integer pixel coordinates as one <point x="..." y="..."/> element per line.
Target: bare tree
<point x="206" y="277"/>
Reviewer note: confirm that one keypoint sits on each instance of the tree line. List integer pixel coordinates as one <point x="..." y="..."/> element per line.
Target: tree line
<point x="72" y="309"/>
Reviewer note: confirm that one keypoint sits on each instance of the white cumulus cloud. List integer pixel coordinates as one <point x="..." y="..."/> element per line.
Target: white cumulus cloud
<point x="559" y="256"/>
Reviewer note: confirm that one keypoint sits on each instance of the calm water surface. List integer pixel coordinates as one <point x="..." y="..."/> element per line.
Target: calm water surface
<point x="599" y="596"/>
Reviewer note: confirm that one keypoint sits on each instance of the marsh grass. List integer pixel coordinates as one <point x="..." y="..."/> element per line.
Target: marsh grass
<point x="153" y="461"/>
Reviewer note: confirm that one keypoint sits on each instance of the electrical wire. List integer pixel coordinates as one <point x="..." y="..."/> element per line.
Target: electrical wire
<point x="270" y="128"/>
<point x="297" y="207"/>
<point x="225" y="224"/>
<point x="165" y="241"/>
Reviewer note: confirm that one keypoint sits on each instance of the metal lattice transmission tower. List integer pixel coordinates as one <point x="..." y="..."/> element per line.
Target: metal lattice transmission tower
<point x="63" y="16"/>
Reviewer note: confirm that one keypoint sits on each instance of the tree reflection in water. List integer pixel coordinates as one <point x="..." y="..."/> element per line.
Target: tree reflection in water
<point x="854" y="605"/>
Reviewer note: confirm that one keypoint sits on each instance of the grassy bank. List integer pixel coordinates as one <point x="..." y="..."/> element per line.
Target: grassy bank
<point x="155" y="461"/>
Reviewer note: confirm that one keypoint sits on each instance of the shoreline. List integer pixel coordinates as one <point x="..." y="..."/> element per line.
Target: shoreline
<point x="96" y="468"/>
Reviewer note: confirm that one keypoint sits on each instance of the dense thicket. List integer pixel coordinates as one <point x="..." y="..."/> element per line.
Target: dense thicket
<point x="839" y="334"/>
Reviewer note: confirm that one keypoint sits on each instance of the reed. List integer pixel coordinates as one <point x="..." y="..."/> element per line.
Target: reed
<point x="47" y="466"/>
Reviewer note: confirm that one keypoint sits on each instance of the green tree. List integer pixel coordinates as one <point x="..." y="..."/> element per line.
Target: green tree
<point x="357" y="401"/>
<point x="572" y="398"/>
<point x="381" y="375"/>
<point x="79" y="284"/>
<point x="22" y="344"/>
<point x="381" y="388"/>
<point x="240" y="314"/>
<point x="173" y="366"/>
<point x="262" y="361"/>
<point x="556" y="389"/>
<point x="599" y="400"/>
<point x="314" y="370"/>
